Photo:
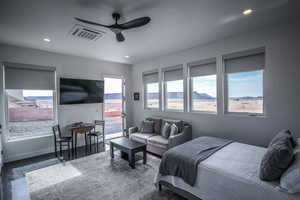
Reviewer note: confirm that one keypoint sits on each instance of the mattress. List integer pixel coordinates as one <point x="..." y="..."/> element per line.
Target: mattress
<point x="231" y="174"/>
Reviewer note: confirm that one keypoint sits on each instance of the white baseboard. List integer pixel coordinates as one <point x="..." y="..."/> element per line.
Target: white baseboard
<point x="27" y="155"/>
<point x="31" y="154"/>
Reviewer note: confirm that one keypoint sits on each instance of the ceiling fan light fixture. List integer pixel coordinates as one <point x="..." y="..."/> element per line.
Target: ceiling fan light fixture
<point x="47" y="40"/>
<point x="247" y="11"/>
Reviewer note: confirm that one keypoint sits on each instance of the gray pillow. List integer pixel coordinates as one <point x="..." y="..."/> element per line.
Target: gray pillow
<point x="165" y="132"/>
<point x="281" y="135"/>
<point x="157" y="124"/>
<point x="173" y="130"/>
<point x="290" y="179"/>
<point x="147" y="126"/>
<point x="277" y="158"/>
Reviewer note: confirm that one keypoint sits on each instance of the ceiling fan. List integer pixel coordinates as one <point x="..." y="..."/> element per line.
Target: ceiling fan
<point x="118" y="28"/>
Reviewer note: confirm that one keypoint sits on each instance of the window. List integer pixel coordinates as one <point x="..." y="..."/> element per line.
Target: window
<point x="244" y="80"/>
<point x="152" y="92"/>
<point x="174" y="89"/>
<point x="151" y="89"/>
<point x="30" y="100"/>
<point x="203" y="86"/>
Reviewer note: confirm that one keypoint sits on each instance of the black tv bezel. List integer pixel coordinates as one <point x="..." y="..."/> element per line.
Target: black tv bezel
<point x="79" y="79"/>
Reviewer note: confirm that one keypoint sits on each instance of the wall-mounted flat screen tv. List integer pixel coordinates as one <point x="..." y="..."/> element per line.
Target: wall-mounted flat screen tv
<point x="79" y="91"/>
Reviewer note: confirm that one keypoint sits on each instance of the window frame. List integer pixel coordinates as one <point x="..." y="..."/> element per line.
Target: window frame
<point x="146" y="99"/>
<point x="226" y="88"/>
<point x="190" y="85"/>
<point x="5" y="108"/>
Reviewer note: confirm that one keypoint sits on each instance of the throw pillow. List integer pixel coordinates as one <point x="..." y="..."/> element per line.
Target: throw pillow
<point x="173" y="130"/>
<point x="283" y="134"/>
<point x="277" y="158"/>
<point x="290" y="179"/>
<point x="157" y="124"/>
<point x="147" y="126"/>
<point x="166" y="130"/>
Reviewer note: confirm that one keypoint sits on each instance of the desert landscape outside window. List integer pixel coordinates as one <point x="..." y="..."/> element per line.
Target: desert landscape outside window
<point x="174" y="95"/>
<point x="204" y="93"/>
<point x="245" y="92"/>
<point x="152" y="95"/>
<point x="30" y="112"/>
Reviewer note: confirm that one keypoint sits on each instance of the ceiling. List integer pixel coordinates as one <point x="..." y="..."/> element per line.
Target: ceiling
<point x="175" y="24"/>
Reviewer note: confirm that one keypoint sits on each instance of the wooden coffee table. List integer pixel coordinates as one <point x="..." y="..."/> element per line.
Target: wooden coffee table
<point x="128" y="149"/>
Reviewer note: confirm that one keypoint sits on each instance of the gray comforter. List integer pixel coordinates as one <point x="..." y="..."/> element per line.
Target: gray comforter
<point x="182" y="161"/>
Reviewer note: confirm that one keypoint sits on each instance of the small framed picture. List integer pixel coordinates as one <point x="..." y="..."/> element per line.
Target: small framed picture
<point x="136" y="96"/>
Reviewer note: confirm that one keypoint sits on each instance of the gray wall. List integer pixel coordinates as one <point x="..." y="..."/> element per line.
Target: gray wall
<point x="67" y="66"/>
<point x="282" y="86"/>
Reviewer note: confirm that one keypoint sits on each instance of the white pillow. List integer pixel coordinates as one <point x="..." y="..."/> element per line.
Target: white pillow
<point x="290" y="179"/>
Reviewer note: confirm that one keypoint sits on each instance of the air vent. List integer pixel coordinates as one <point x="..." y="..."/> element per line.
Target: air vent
<point x="87" y="33"/>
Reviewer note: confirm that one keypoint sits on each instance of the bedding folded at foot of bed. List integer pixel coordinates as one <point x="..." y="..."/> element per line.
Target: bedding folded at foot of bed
<point x="182" y="161"/>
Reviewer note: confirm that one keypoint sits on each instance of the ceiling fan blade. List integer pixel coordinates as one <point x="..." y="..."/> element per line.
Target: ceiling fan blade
<point x="90" y="22"/>
<point x="135" y="23"/>
<point x="120" y="37"/>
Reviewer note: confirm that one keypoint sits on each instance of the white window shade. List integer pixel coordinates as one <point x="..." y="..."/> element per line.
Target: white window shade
<point x="18" y="76"/>
<point x="172" y="74"/>
<point x="245" y="63"/>
<point x="203" y="68"/>
<point x="150" y="77"/>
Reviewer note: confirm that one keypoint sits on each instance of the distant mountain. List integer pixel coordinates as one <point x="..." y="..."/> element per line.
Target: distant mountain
<point x="113" y="96"/>
<point x="31" y="98"/>
<point x="197" y="95"/>
<point x="246" y="97"/>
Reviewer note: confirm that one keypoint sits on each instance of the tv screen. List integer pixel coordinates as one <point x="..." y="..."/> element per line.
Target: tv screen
<point x="79" y="91"/>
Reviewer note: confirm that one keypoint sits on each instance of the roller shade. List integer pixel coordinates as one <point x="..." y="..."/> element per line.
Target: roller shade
<point x="203" y="68"/>
<point x="172" y="74"/>
<point x="150" y="77"/>
<point x="245" y="63"/>
<point x="18" y="76"/>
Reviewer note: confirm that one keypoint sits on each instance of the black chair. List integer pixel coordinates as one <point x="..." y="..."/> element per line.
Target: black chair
<point x="98" y="132"/>
<point x="61" y="140"/>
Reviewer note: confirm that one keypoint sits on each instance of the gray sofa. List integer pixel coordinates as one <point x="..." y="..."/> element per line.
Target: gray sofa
<point x="155" y="142"/>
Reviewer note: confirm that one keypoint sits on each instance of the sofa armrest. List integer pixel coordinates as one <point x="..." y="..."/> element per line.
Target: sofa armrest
<point x="132" y="130"/>
<point x="181" y="138"/>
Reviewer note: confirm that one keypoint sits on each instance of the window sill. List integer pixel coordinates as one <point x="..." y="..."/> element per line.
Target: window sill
<point x="203" y="112"/>
<point x="28" y="138"/>
<point x="152" y="109"/>
<point x="251" y="115"/>
<point x="174" y="111"/>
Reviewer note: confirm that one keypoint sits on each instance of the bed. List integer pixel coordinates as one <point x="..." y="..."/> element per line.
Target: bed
<point x="231" y="173"/>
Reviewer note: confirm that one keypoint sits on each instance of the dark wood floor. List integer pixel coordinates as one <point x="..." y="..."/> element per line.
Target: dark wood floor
<point x="14" y="185"/>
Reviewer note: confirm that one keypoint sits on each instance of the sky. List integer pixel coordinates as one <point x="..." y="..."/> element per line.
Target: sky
<point x="246" y="84"/>
<point x="112" y="85"/>
<point x="37" y="93"/>
<point x="240" y="84"/>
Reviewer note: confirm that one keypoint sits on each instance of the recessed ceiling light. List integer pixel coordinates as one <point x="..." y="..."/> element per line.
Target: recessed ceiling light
<point x="247" y="12"/>
<point x="47" y="39"/>
<point x="127" y="56"/>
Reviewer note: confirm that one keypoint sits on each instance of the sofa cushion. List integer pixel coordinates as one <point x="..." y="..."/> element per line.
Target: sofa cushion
<point x="141" y="137"/>
<point x="158" y="141"/>
<point x="147" y="126"/>
<point x="157" y="124"/>
<point x="277" y="158"/>
<point x="178" y="123"/>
